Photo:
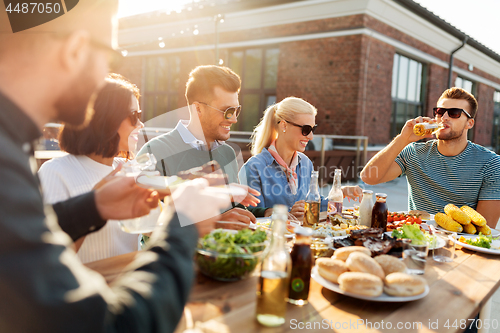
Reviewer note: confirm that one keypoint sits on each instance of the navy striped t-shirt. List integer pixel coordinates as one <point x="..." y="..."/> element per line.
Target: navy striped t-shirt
<point x="435" y="180"/>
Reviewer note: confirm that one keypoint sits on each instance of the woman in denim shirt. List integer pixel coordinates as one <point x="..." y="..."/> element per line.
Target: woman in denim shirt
<point x="278" y="169"/>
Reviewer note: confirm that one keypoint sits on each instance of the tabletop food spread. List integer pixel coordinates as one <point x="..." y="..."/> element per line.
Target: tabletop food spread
<point x="353" y="261"/>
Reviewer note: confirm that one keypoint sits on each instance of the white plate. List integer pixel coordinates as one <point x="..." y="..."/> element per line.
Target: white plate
<point x="265" y="222"/>
<point x="162" y="183"/>
<point x="226" y="189"/>
<point x="438" y="246"/>
<point x="494" y="232"/>
<point x="155" y="182"/>
<point x="382" y="298"/>
<point x="431" y="216"/>
<point x="477" y="248"/>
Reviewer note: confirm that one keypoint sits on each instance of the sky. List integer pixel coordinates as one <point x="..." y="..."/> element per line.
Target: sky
<point x="134" y="7"/>
<point x="477" y="18"/>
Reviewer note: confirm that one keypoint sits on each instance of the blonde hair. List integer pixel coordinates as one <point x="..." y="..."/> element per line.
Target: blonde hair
<point x="267" y="130"/>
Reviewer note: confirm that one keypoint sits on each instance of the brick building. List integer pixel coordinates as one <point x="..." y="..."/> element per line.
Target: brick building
<point x="367" y="65"/>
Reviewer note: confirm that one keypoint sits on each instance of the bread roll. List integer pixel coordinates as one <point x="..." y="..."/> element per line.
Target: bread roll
<point x="390" y="264"/>
<point x="330" y="268"/>
<point x="402" y="284"/>
<point x="344" y="252"/>
<point x="360" y="262"/>
<point x="361" y="284"/>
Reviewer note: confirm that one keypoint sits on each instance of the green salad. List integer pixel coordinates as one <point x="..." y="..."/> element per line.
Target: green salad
<point x="227" y="255"/>
<point x="480" y="241"/>
<point x="413" y="232"/>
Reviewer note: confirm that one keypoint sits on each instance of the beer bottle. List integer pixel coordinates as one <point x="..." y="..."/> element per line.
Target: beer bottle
<point x="272" y="288"/>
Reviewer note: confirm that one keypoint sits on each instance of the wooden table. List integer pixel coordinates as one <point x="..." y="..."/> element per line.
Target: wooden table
<point x="457" y="291"/>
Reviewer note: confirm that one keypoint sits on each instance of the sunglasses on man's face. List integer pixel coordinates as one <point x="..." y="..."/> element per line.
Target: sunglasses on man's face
<point x="452" y="112"/>
<point x="135" y="116"/>
<point x="115" y="58"/>
<point x="306" y="129"/>
<point x="229" y="112"/>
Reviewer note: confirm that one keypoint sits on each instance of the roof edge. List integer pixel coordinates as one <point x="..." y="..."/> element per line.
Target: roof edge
<point x="426" y="14"/>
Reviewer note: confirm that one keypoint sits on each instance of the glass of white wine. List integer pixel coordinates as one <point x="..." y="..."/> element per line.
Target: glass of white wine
<point x="144" y="224"/>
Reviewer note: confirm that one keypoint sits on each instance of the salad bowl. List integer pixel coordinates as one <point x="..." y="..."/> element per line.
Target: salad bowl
<point x="230" y="255"/>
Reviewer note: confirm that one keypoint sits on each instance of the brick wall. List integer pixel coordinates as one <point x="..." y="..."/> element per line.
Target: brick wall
<point x="347" y="78"/>
<point x="132" y="70"/>
<point x="326" y="73"/>
<point x="374" y="116"/>
<point x="483" y="121"/>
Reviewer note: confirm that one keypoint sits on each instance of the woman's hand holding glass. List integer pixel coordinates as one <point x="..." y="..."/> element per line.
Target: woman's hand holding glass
<point x="298" y="209"/>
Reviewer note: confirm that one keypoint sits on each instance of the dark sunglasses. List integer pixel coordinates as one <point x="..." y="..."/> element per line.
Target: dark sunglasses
<point x="229" y="112"/>
<point x="306" y="129"/>
<point x="135" y="116"/>
<point x="452" y="112"/>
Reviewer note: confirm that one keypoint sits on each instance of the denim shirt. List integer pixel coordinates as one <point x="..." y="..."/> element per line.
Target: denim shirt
<point x="264" y="174"/>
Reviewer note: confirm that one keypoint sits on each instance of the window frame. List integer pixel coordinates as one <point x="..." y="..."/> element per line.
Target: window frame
<point x="472" y="131"/>
<point x="262" y="92"/>
<point x="171" y="92"/>
<point x="396" y="101"/>
<point x="495" y="131"/>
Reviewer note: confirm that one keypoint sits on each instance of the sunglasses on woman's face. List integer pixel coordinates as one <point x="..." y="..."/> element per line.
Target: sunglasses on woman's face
<point x="229" y="112"/>
<point x="306" y="129"/>
<point x="452" y="112"/>
<point x="135" y="116"/>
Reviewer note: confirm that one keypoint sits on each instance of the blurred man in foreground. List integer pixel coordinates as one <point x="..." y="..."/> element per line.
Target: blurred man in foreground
<point x="450" y="169"/>
<point x="49" y="73"/>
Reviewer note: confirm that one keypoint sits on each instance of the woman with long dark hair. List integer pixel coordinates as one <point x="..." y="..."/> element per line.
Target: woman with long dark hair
<point x="93" y="152"/>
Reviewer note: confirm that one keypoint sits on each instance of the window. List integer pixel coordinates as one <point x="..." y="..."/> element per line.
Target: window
<point x="469" y="86"/>
<point x="465" y="84"/>
<point x="495" y="133"/>
<point x="407" y="82"/>
<point x="258" y="69"/>
<point x="161" y="88"/>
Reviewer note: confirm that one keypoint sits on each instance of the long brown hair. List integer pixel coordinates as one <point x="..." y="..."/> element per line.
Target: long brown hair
<point x="111" y="107"/>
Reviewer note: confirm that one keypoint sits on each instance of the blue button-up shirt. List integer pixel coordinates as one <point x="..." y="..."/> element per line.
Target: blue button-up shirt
<point x="264" y="174"/>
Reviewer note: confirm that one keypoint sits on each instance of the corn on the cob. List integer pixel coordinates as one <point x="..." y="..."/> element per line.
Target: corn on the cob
<point x="470" y="228"/>
<point x="484" y="229"/>
<point x="475" y="217"/>
<point x="447" y="222"/>
<point x="455" y="213"/>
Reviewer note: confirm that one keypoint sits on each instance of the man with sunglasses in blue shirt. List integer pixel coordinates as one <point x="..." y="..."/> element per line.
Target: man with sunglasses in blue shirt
<point x="449" y="169"/>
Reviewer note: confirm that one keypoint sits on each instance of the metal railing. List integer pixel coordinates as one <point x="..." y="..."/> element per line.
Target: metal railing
<point x="359" y="140"/>
<point x="360" y="144"/>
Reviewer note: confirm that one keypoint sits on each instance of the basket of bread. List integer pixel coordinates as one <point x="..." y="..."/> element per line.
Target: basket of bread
<point x="353" y="272"/>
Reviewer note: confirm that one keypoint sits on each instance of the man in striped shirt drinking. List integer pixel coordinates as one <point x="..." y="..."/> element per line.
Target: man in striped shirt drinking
<point x="448" y="169"/>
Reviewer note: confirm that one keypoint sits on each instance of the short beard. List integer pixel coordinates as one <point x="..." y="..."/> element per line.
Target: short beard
<point x="76" y="105"/>
<point x="453" y="135"/>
